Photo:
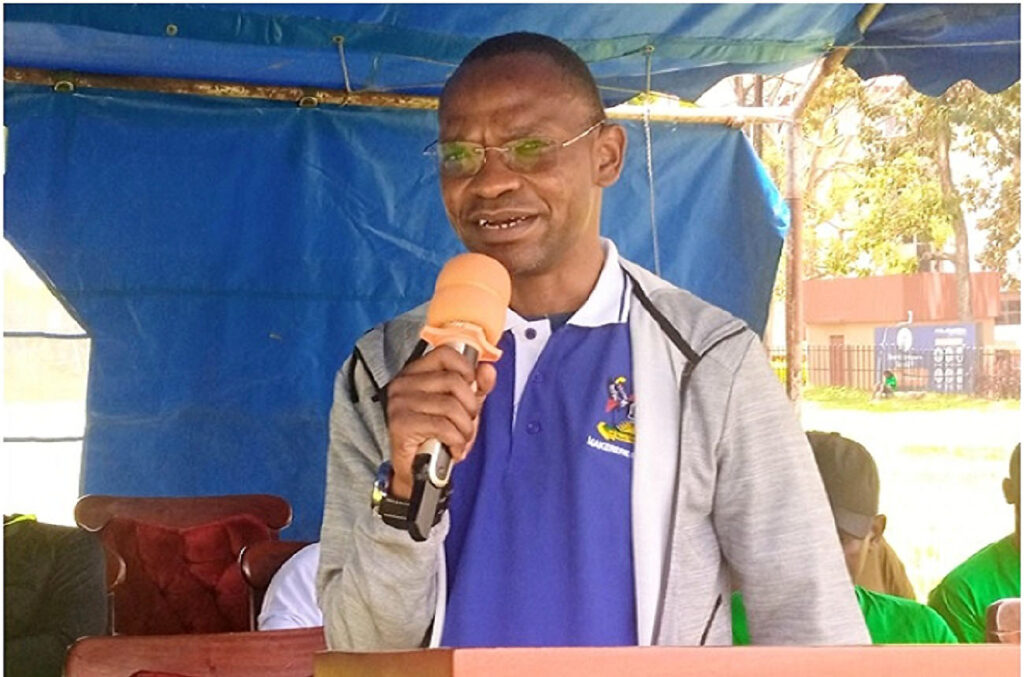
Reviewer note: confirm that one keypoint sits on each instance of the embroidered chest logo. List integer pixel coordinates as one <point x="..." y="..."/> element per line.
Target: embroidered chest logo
<point x="620" y="425"/>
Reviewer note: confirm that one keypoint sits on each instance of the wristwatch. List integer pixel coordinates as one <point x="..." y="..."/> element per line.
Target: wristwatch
<point x="395" y="511"/>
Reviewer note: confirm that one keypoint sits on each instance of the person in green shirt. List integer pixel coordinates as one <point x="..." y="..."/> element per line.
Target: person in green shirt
<point x="887" y="386"/>
<point x="851" y="482"/>
<point x="991" y="574"/>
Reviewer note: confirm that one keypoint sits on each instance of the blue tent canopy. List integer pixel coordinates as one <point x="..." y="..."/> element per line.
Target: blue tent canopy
<point x="224" y="254"/>
<point x="413" y="47"/>
<point x="934" y="46"/>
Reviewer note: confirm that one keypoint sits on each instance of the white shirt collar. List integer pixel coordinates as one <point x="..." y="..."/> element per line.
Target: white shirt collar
<point x="608" y="302"/>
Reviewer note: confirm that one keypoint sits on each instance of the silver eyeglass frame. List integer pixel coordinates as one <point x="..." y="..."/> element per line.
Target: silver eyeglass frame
<point x="432" y="149"/>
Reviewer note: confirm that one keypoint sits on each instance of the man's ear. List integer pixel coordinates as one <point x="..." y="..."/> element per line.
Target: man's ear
<point x="878" y="527"/>
<point x="1011" y="491"/>
<point x="609" y="154"/>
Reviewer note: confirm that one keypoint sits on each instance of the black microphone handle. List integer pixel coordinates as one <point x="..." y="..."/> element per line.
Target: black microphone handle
<point x="431" y="471"/>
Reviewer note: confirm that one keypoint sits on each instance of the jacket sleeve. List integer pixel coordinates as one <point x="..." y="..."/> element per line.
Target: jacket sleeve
<point x="773" y="519"/>
<point x="377" y="587"/>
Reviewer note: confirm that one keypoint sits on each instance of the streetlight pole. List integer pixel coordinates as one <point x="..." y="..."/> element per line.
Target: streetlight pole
<point x="794" y="266"/>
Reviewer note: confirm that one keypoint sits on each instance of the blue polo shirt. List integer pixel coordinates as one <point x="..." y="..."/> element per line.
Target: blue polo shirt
<point x="540" y="547"/>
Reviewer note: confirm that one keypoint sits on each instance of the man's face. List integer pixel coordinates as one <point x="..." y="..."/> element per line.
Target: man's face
<point x="532" y="222"/>
<point x="855" y="550"/>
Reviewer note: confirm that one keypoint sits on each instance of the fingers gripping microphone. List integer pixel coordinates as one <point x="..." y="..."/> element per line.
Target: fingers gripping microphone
<point x="467" y="313"/>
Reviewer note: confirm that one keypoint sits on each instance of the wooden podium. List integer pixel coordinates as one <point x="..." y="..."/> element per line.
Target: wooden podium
<point x="938" y="660"/>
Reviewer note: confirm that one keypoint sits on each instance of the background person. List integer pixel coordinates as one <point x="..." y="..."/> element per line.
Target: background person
<point x="851" y="480"/>
<point x="290" y="600"/>
<point x="54" y="592"/>
<point x="884" y="571"/>
<point x="887" y="386"/>
<point x="991" y="574"/>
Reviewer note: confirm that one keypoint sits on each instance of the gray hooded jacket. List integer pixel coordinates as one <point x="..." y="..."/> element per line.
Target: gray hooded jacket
<point x="726" y="494"/>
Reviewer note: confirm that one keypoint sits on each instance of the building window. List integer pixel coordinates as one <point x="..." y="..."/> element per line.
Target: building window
<point x="1009" y="310"/>
<point x="46" y="368"/>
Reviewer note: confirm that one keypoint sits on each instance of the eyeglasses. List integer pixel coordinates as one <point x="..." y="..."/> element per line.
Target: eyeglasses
<point x="463" y="159"/>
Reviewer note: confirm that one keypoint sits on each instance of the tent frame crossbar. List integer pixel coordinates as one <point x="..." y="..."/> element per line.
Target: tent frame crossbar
<point x="310" y="97"/>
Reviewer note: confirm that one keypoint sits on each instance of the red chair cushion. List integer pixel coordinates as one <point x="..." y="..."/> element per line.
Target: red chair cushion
<point x="182" y="580"/>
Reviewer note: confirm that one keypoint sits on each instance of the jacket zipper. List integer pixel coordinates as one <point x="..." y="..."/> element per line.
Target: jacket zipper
<point x="711" y="619"/>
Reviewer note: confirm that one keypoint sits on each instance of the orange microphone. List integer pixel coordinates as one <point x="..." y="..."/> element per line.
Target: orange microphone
<point x="466" y="313"/>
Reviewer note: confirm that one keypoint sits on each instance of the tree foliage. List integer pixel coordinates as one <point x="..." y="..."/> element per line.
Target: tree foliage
<point x="991" y="128"/>
<point x="892" y="177"/>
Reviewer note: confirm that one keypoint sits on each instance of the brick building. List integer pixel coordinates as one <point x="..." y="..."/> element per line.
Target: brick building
<point x="856" y="328"/>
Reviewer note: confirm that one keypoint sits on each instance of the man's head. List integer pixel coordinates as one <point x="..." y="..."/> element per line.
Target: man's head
<point x="542" y="214"/>
<point x="573" y="70"/>
<point x="1011" y="490"/>
<point x="851" y="482"/>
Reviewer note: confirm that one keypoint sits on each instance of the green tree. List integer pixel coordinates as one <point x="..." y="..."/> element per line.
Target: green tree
<point x="880" y="195"/>
<point x="990" y="127"/>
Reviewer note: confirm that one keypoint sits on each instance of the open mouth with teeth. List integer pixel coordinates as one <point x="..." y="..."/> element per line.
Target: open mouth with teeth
<point x="503" y="224"/>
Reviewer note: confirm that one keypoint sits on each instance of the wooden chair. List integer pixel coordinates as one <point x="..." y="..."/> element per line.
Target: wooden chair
<point x="275" y="653"/>
<point x="1002" y="621"/>
<point x="259" y="562"/>
<point x="180" y="556"/>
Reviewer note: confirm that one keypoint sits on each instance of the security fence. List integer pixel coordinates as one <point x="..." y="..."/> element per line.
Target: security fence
<point x="984" y="372"/>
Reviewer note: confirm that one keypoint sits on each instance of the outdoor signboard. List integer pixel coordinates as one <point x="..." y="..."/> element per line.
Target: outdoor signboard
<point x="936" y="358"/>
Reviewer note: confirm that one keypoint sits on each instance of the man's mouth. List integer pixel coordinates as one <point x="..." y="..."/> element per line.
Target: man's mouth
<point x="502" y="224"/>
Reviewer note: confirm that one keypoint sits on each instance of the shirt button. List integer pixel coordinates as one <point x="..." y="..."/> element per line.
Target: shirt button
<point x="531" y="333"/>
<point x="538" y="378"/>
<point x="533" y="427"/>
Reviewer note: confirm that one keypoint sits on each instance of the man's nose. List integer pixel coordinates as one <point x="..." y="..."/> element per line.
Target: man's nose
<point x="495" y="178"/>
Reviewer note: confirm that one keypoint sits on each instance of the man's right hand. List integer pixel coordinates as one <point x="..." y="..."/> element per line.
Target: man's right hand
<point x="434" y="398"/>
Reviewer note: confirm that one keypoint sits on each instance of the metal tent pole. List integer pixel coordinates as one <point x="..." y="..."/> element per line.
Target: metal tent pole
<point x="794" y="266"/>
<point x="795" y="200"/>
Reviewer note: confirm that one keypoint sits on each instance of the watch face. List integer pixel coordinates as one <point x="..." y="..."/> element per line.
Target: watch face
<point x="381" y="483"/>
<point x="376" y="496"/>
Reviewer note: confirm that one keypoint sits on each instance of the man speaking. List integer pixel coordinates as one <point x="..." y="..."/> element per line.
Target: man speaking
<point x="629" y="460"/>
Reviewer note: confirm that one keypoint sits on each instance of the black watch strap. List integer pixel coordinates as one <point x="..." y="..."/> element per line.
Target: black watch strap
<point x="395" y="511"/>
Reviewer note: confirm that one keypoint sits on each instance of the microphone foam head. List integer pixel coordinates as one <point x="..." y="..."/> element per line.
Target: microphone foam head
<point x="472" y="288"/>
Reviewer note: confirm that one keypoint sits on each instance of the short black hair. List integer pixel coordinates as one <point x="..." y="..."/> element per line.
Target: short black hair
<point x="574" y="68"/>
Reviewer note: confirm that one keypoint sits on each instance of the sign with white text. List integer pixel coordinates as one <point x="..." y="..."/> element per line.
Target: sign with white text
<point x="936" y="358"/>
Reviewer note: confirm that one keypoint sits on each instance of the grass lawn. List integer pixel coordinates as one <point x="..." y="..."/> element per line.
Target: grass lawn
<point x="845" y="398"/>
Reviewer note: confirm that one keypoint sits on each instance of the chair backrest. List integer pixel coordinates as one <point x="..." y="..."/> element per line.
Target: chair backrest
<point x="181" y="557"/>
<point x="1002" y="621"/>
<point x="259" y="562"/>
<point x="93" y="511"/>
<point x="275" y="653"/>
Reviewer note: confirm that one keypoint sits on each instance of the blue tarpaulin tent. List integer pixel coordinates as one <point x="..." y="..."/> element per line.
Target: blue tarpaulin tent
<point x="224" y="253"/>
